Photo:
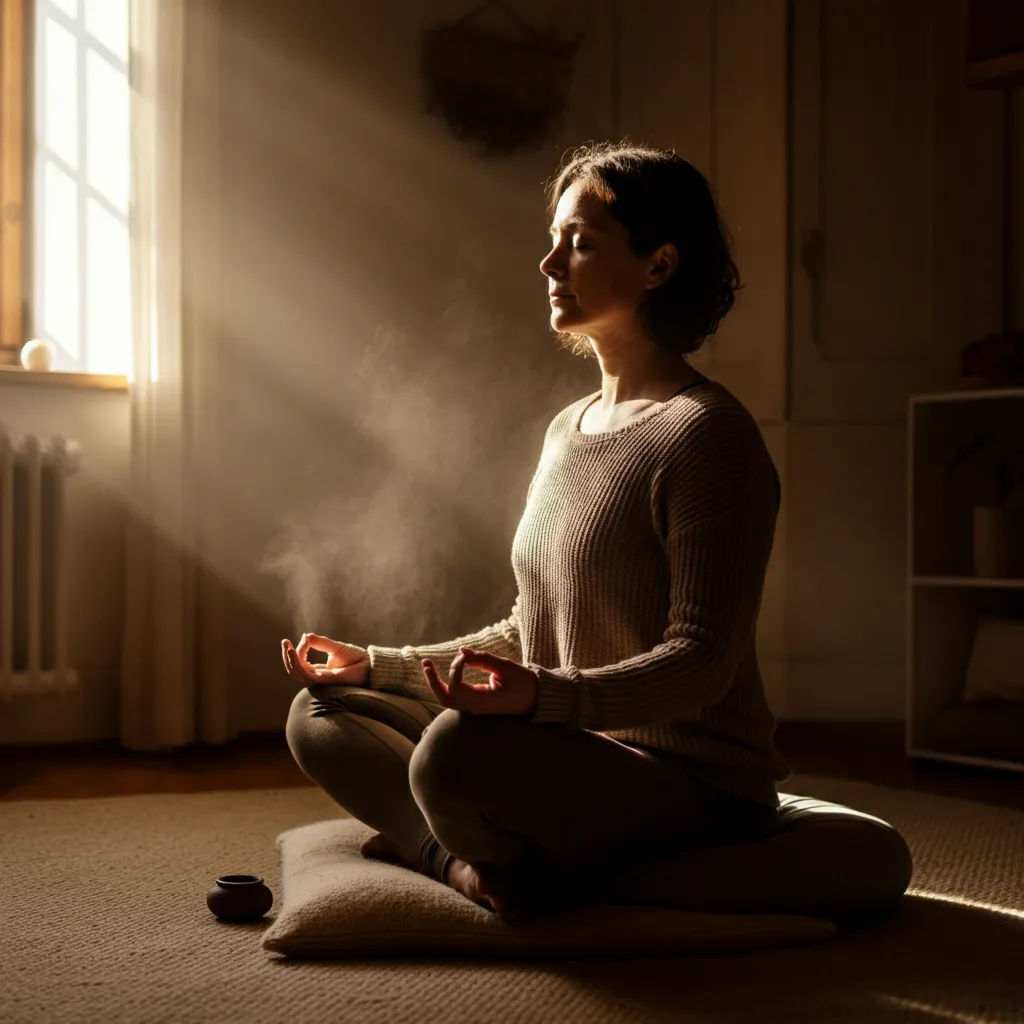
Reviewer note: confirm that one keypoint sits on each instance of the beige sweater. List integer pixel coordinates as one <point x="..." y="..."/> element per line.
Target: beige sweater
<point x="640" y="561"/>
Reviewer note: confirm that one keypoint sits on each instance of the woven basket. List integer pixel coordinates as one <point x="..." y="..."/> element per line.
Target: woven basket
<point x="502" y="95"/>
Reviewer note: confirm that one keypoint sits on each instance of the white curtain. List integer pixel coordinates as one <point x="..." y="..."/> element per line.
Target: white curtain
<point x="175" y="682"/>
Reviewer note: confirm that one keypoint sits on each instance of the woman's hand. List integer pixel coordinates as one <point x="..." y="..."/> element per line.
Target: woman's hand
<point x="512" y="689"/>
<point x="346" y="663"/>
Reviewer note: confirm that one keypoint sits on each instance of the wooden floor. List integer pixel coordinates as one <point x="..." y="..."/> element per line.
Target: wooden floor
<point x="869" y="751"/>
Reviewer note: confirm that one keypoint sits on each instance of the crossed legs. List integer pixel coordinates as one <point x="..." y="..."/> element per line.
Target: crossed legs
<point x="555" y="807"/>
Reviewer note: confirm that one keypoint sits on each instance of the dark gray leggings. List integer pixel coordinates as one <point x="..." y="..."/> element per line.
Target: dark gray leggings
<point x="569" y="804"/>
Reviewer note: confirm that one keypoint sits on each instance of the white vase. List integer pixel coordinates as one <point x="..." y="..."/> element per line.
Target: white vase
<point x="998" y="541"/>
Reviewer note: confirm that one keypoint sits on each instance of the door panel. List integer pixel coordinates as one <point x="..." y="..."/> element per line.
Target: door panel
<point x="895" y="205"/>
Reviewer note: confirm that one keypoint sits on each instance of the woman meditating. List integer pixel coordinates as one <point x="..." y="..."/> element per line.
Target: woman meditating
<point x="618" y="712"/>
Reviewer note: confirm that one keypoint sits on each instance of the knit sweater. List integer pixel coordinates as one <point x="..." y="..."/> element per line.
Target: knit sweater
<point x="640" y="560"/>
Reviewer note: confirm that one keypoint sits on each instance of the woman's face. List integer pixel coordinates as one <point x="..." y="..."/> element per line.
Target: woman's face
<point x="595" y="281"/>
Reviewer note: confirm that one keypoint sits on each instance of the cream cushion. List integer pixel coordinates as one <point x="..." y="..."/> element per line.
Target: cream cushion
<point x="337" y="904"/>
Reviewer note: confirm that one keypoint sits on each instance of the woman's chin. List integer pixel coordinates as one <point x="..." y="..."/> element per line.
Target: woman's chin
<point x="563" y="320"/>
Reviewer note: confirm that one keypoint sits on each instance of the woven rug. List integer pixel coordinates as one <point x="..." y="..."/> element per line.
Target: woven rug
<point x="103" y="918"/>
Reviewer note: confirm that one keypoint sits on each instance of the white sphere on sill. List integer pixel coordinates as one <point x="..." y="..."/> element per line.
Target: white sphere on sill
<point x="37" y="355"/>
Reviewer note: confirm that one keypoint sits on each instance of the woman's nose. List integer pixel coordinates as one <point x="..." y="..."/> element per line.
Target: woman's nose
<point x="549" y="266"/>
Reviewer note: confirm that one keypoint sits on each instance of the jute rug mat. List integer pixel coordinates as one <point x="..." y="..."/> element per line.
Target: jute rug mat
<point x="103" y="918"/>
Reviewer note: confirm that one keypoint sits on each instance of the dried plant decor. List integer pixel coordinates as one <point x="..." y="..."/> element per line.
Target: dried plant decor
<point x="503" y="94"/>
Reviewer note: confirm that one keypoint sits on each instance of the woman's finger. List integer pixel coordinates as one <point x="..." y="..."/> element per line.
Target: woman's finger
<point x="458" y="663"/>
<point x="325" y="674"/>
<point x="464" y="696"/>
<point x="298" y="671"/>
<point x="437" y="688"/>
<point x="323" y="643"/>
<point x="491" y="663"/>
<point x="293" y="665"/>
<point x="288" y="662"/>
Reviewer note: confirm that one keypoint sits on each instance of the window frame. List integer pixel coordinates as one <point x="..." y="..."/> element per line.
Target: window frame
<point x="13" y="91"/>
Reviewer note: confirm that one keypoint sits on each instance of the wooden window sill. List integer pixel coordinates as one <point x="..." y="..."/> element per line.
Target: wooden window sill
<point x="62" y="379"/>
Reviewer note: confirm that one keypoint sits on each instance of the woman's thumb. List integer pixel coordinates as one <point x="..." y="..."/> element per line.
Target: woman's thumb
<point x="323" y="670"/>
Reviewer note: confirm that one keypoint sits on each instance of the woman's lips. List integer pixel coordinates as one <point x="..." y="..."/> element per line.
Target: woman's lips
<point x="561" y="298"/>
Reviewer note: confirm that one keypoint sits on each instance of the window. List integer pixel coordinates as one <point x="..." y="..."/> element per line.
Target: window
<point x="78" y="251"/>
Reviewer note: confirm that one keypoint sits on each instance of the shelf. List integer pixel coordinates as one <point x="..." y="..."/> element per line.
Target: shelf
<point x="971" y="395"/>
<point x="940" y="506"/>
<point x="981" y="762"/>
<point x="946" y="598"/>
<point x="1000" y="72"/>
<point x="1003" y="582"/>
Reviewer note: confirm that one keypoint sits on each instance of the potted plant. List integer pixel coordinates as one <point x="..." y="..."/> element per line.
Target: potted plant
<point x="998" y="538"/>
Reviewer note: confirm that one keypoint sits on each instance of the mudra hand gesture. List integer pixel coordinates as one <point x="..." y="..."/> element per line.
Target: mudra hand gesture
<point x="511" y="690"/>
<point x="346" y="663"/>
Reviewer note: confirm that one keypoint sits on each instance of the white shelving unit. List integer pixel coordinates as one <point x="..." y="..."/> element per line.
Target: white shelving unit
<point x="945" y="597"/>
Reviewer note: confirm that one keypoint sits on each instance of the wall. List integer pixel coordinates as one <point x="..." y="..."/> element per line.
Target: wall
<point x="393" y="372"/>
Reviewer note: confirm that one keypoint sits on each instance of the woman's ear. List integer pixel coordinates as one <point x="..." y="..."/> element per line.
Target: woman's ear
<point x="663" y="265"/>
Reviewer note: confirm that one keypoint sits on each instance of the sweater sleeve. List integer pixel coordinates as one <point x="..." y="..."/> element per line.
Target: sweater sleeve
<point x="398" y="669"/>
<point x="715" y="505"/>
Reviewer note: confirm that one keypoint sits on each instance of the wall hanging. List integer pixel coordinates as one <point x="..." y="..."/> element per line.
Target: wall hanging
<point x="502" y="94"/>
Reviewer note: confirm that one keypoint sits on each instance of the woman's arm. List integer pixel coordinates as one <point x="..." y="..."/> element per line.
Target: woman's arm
<point x="398" y="669"/>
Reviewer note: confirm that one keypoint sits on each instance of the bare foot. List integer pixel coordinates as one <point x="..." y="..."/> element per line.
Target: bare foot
<point x="379" y="847"/>
<point x="488" y="885"/>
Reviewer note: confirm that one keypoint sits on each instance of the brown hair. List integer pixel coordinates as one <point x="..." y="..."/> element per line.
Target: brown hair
<point x="660" y="197"/>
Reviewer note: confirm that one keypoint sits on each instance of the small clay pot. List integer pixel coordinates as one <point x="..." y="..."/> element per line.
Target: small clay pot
<point x="239" y="898"/>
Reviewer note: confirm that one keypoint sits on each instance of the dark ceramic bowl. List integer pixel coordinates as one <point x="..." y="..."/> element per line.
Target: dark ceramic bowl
<point x="239" y="898"/>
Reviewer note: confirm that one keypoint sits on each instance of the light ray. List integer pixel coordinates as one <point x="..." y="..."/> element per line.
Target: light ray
<point x="965" y="902"/>
<point x="938" y="1012"/>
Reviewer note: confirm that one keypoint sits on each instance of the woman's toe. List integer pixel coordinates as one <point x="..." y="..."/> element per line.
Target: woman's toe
<point x="495" y="883"/>
<point x="378" y="847"/>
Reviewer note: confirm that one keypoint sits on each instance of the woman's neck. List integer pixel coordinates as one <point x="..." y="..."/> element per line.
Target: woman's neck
<point x="655" y="388"/>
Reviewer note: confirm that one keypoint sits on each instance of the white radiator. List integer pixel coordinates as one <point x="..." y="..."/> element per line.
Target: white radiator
<point x="33" y="565"/>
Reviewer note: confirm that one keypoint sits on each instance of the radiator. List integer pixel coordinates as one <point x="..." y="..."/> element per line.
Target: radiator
<point x="33" y="565"/>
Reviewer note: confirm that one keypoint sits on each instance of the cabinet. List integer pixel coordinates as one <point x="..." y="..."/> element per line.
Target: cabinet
<point x="946" y="599"/>
<point x="895" y="216"/>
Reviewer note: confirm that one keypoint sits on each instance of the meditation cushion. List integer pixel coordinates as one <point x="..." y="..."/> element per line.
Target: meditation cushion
<point x="825" y="861"/>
